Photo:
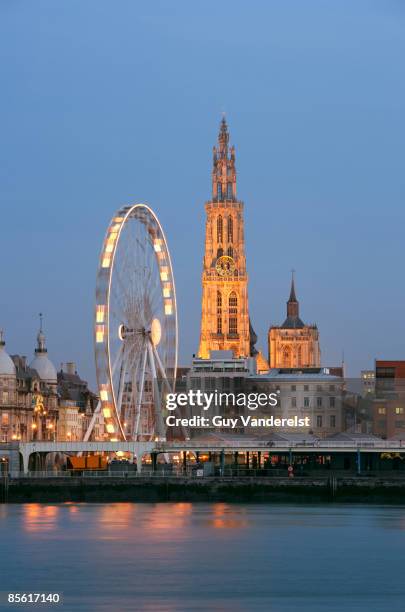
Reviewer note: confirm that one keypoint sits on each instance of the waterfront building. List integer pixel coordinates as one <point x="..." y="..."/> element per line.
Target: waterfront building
<point x="29" y="395"/>
<point x="222" y="373"/>
<point x="37" y="403"/>
<point x="225" y="321"/>
<point x="76" y="406"/>
<point x="294" y="344"/>
<point x="389" y="402"/>
<point x="8" y="383"/>
<point x="309" y="392"/>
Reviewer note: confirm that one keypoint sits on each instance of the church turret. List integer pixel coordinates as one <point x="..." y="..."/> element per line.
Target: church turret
<point x="41" y="346"/>
<point x="41" y="363"/>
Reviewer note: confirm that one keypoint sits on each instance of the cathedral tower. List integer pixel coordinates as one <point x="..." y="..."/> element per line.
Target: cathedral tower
<point x="225" y="314"/>
<point x="294" y="344"/>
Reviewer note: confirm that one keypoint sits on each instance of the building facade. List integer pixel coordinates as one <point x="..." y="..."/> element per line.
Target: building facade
<point x="225" y="313"/>
<point x="389" y="402"/>
<point x="28" y="395"/>
<point x="313" y="392"/>
<point x="294" y="344"/>
<point x="37" y="403"/>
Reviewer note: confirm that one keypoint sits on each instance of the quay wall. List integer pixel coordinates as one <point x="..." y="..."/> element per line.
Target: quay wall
<point x="232" y="490"/>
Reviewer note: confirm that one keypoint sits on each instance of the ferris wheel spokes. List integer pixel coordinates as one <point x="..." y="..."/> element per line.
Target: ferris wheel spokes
<point x="135" y="325"/>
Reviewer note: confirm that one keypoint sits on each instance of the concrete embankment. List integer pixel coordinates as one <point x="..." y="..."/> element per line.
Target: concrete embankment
<point x="147" y="489"/>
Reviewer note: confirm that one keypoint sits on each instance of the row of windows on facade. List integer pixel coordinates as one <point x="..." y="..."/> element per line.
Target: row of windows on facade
<point x="319" y="402"/>
<point x="397" y="410"/>
<point x="70" y="417"/>
<point x="213" y="384"/>
<point x="232" y="310"/>
<point x="397" y="424"/>
<point x="319" y="388"/>
<point x="228" y="192"/>
<point x="220" y="229"/>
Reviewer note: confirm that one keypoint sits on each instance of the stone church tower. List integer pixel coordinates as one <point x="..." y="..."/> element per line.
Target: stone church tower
<point x="294" y="344"/>
<point x="225" y="314"/>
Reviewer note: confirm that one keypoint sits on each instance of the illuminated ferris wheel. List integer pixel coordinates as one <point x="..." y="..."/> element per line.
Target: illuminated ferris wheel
<point x="135" y="326"/>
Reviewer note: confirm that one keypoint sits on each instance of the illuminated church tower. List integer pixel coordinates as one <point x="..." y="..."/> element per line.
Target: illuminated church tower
<point x="294" y="344"/>
<point x="225" y="314"/>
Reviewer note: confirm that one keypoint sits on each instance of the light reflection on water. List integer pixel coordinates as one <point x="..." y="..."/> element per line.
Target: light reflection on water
<point x="184" y="556"/>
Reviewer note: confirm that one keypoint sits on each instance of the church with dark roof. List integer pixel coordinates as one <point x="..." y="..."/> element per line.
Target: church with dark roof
<point x="294" y="344"/>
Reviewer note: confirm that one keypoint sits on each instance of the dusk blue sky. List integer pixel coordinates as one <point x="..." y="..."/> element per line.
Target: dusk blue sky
<point x="106" y="103"/>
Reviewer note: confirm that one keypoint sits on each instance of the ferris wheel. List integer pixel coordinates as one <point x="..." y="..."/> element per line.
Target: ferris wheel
<point x="135" y="328"/>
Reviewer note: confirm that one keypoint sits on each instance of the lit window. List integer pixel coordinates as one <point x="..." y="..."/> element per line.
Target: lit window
<point x="381" y="411"/>
<point x="110" y="428"/>
<point x="399" y="410"/>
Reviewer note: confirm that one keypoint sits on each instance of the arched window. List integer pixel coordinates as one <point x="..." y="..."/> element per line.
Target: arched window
<point x="220" y="229"/>
<point x="286" y="357"/>
<point x="220" y="252"/>
<point x="230" y="229"/>
<point x="299" y="356"/>
<point x="229" y="191"/>
<point x="219" y="191"/>
<point x="219" y="312"/>
<point x="230" y="252"/>
<point x="233" y="313"/>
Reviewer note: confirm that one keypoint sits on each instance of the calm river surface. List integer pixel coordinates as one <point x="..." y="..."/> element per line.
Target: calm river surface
<point x="184" y="556"/>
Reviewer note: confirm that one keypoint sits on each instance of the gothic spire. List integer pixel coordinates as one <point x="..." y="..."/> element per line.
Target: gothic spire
<point x="292" y="304"/>
<point x="224" y="171"/>
<point x="292" y="292"/>
<point x="223" y="138"/>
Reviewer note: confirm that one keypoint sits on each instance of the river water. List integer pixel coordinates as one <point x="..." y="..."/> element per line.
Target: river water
<point x="185" y="556"/>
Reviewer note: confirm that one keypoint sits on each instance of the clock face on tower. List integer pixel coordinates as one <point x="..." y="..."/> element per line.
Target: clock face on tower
<point x="225" y="265"/>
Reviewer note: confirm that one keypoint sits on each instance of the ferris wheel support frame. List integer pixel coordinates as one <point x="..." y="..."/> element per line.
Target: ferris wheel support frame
<point x="110" y="397"/>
